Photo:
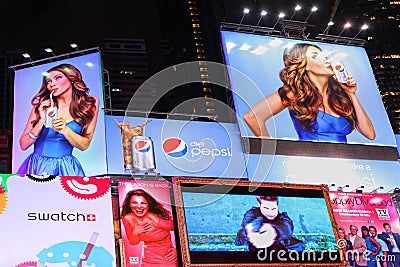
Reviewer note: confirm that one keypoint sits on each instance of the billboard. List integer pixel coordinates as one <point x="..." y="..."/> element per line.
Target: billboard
<point x="367" y="215"/>
<point x="75" y="144"/>
<point x="347" y="173"/>
<point x="313" y="104"/>
<point x="191" y="148"/>
<point x="56" y="221"/>
<point x="147" y="230"/>
<point x="238" y="222"/>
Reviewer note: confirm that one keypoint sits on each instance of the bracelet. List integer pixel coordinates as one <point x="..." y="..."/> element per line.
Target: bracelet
<point x="32" y="135"/>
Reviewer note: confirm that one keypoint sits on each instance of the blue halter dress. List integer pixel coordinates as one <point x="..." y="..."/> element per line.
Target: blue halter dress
<point x="326" y="128"/>
<point x="52" y="154"/>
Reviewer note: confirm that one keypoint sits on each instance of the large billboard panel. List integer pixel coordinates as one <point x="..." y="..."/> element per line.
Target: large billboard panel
<point x="56" y="221"/>
<point x="364" y="216"/>
<point x="190" y="148"/>
<point x="346" y="173"/>
<point x="75" y="145"/>
<point x="313" y="105"/>
<point x="147" y="230"/>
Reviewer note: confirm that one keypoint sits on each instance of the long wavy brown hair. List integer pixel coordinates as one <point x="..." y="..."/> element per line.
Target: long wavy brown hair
<point x="154" y="206"/>
<point x="83" y="105"/>
<point x="299" y="94"/>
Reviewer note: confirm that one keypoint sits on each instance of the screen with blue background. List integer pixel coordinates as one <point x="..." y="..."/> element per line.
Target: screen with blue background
<point x="27" y="83"/>
<point x="261" y="58"/>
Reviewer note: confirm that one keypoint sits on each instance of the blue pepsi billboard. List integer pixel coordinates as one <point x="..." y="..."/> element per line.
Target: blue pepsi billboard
<point x="186" y="148"/>
<point x="350" y="174"/>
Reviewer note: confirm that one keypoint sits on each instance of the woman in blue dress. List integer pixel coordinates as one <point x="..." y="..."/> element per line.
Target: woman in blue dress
<point x="73" y="127"/>
<point x="321" y="107"/>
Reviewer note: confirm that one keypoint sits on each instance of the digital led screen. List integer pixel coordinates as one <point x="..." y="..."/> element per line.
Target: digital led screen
<point x="181" y="147"/>
<point x="346" y="173"/>
<point x="79" y="147"/>
<point x="249" y="224"/>
<point x="260" y="59"/>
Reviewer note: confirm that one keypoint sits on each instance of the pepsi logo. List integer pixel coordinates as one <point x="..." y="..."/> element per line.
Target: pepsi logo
<point x="175" y="147"/>
<point x="142" y="146"/>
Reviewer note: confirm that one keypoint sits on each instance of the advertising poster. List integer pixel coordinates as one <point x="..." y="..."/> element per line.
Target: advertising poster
<point x="176" y="147"/>
<point x="368" y="215"/>
<point x="364" y="209"/>
<point x="147" y="227"/>
<point x="70" y="91"/>
<point x="253" y="224"/>
<point x="56" y="221"/>
<point x="338" y="172"/>
<point x="260" y="59"/>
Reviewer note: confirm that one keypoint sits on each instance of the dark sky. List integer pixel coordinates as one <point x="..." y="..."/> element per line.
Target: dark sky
<point x="31" y="26"/>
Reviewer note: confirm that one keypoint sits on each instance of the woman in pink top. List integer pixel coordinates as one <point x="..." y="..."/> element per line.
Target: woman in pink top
<point x="145" y="219"/>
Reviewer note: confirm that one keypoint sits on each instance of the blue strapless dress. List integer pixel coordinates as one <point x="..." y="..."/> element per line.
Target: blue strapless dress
<point x="327" y="128"/>
<point x="52" y="154"/>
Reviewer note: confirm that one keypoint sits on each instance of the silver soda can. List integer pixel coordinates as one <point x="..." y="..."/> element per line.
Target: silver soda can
<point x="340" y="71"/>
<point x="51" y="113"/>
<point x="143" y="153"/>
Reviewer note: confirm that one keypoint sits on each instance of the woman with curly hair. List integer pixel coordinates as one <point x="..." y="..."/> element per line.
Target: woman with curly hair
<point x="321" y="108"/>
<point x="74" y="125"/>
<point x="145" y="219"/>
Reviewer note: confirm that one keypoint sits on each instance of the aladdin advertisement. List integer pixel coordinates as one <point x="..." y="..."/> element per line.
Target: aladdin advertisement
<point x="56" y="221"/>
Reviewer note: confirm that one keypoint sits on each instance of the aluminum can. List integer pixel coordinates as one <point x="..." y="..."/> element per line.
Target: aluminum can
<point x="340" y="71"/>
<point x="51" y="113"/>
<point x="143" y="153"/>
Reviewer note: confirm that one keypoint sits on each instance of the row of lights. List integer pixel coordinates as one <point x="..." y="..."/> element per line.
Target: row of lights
<point x="50" y="51"/>
<point x="296" y="9"/>
<point x="280" y="16"/>
<point x="361" y="187"/>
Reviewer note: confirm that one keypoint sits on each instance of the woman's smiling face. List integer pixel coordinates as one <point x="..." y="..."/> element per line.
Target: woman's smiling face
<point x="139" y="205"/>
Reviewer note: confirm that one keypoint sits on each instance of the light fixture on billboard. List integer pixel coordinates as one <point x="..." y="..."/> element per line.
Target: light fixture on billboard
<point x="280" y="16"/>
<point x="262" y="14"/>
<point x="330" y="23"/>
<point x="245" y="12"/>
<point x="297" y="8"/>
<point x="27" y="56"/>
<point x="313" y="9"/>
<point x="376" y="189"/>
<point x="363" y="28"/>
<point x="74" y="46"/>
<point x="341" y="188"/>
<point x="49" y="50"/>
<point x="346" y="26"/>
<point x="359" y="189"/>
<point x="395" y="190"/>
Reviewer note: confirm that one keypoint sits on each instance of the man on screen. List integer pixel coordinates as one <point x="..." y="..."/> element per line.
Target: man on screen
<point x="265" y="227"/>
<point x="393" y="242"/>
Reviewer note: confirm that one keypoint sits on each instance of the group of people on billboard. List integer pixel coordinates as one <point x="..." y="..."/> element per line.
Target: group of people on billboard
<point x="371" y="249"/>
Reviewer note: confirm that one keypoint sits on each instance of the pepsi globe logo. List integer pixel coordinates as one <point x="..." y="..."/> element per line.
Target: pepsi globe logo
<point x="142" y="146"/>
<point x="175" y="147"/>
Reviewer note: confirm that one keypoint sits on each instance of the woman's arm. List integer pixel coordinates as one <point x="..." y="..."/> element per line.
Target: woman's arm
<point x="132" y="236"/>
<point x="256" y="117"/>
<point x="77" y="140"/>
<point x="30" y="133"/>
<point x="378" y="246"/>
<point x="364" y="124"/>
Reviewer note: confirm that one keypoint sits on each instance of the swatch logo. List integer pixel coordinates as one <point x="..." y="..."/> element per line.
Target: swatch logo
<point x="175" y="147"/>
<point x="142" y="146"/>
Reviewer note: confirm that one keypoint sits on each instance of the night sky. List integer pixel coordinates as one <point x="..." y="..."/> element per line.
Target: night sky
<point x="32" y="26"/>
